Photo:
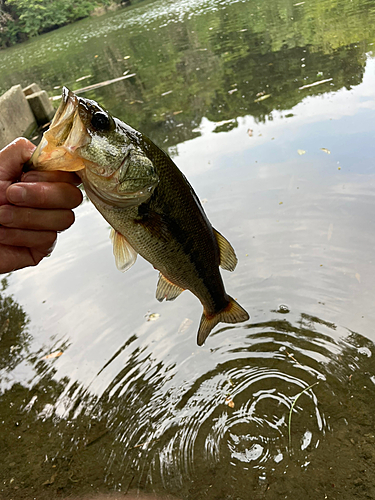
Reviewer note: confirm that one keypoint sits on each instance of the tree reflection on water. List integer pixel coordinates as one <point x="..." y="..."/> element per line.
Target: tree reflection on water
<point x="58" y="439"/>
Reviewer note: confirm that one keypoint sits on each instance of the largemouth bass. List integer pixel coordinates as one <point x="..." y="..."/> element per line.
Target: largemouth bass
<point x="149" y="203"/>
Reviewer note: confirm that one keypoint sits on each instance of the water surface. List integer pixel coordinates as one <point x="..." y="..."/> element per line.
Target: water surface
<point x="280" y="406"/>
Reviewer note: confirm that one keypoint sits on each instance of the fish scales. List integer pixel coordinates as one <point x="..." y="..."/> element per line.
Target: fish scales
<point x="152" y="208"/>
<point x="172" y="232"/>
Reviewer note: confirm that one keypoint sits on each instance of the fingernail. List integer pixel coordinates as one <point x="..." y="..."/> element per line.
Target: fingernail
<point x="6" y="214"/>
<point x="16" y="193"/>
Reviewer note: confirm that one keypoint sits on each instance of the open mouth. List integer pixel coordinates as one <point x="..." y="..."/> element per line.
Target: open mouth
<point x="67" y="133"/>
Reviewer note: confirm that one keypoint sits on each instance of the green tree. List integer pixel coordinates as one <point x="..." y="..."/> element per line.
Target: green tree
<point x="22" y="19"/>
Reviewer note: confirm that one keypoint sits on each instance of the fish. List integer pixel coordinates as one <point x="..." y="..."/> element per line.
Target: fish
<point x="150" y="205"/>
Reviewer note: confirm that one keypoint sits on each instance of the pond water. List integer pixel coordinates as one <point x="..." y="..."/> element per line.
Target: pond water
<point x="269" y="109"/>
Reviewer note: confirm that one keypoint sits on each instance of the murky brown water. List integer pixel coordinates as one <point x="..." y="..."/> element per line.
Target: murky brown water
<point x="286" y="171"/>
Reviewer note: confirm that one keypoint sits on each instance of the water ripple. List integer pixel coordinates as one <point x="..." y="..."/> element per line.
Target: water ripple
<point x="280" y="379"/>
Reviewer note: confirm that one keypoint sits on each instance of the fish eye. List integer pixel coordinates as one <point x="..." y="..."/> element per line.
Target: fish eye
<point x="100" y="121"/>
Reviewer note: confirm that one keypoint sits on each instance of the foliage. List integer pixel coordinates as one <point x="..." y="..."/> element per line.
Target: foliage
<point x="22" y="19"/>
<point x="188" y="71"/>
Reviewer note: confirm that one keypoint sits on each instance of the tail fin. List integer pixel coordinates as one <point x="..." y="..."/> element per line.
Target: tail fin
<point x="233" y="313"/>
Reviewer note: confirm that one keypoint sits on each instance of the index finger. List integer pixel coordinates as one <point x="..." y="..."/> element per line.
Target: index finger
<point x="48" y="195"/>
<point x="51" y="176"/>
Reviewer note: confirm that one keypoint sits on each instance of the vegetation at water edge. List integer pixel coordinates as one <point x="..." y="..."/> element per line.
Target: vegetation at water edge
<point x="23" y="19"/>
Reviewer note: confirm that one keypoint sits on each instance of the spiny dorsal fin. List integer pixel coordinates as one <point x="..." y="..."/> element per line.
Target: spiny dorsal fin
<point x="167" y="290"/>
<point x="124" y="253"/>
<point x="228" y="259"/>
<point x="233" y="313"/>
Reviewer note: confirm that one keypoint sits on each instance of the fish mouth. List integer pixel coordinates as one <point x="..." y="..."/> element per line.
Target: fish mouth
<point x="61" y="149"/>
<point x="67" y="133"/>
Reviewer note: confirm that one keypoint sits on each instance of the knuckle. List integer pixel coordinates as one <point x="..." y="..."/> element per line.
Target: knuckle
<point x="43" y="195"/>
<point x="26" y="217"/>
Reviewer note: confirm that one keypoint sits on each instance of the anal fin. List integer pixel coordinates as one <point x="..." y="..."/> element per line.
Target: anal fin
<point x="124" y="253"/>
<point x="166" y="289"/>
<point x="228" y="259"/>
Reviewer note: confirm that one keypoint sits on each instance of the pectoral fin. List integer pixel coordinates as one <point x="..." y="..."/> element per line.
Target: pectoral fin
<point x="124" y="253"/>
<point x="228" y="259"/>
<point x="167" y="290"/>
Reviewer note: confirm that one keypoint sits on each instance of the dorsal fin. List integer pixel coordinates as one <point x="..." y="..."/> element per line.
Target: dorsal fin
<point x="167" y="290"/>
<point x="228" y="259"/>
<point x="124" y="253"/>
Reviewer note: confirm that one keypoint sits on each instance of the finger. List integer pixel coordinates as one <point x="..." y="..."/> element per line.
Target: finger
<point x="44" y="195"/>
<point x="37" y="219"/>
<point x="12" y="158"/>
<point x="27" y="238"/>
<point x="55" y="176"/>
<point x="13" y="258"/>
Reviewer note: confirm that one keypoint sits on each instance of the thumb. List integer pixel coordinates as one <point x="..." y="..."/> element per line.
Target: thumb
<point x="12" y="158"/>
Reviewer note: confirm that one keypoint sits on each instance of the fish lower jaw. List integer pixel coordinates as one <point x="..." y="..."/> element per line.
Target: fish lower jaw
<point x="59" y="158"/>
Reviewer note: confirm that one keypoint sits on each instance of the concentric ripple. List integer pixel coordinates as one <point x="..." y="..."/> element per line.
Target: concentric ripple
<point x="256" y="432"/>
<point x="263" y="403"/>
<point x="267" y="405"/>
<point x="244" y="415"/>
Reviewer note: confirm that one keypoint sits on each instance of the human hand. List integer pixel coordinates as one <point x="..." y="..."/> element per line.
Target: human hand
<point x="33" y="207"/>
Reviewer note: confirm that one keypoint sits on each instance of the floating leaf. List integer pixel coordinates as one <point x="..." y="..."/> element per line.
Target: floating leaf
<point x="184" y="325"/>
<point x="315" y="83"/>
<point x="153" y="316"/>
<point x="301" y="151"/>
<point x="261" y="98"/>
<point x="55" y="354"/>
<point x="229" y="401"/>
<point x="326" y="150"/>
<point x="82" y="78"/>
